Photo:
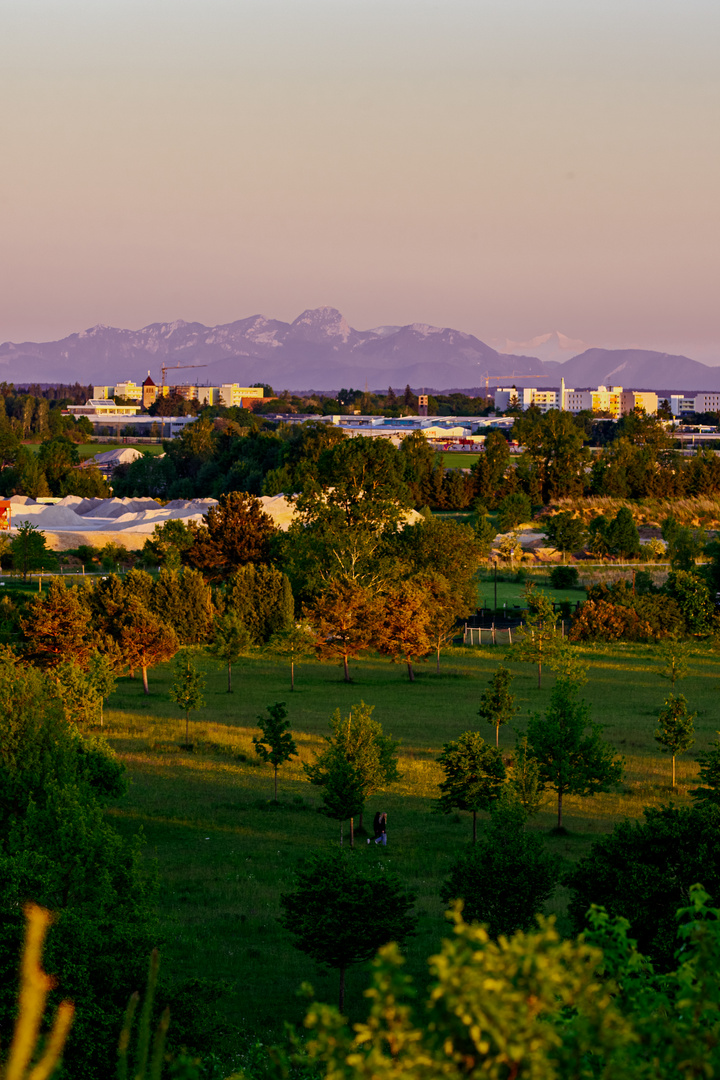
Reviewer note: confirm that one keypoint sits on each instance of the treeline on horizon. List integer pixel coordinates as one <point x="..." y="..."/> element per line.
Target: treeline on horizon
<point x="247" y="453"/>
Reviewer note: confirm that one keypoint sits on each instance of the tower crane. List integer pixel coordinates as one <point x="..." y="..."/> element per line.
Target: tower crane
<point x="175" y="367"/>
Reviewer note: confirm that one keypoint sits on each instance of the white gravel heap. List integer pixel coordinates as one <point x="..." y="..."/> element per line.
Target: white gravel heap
<point x="73" y="521"/>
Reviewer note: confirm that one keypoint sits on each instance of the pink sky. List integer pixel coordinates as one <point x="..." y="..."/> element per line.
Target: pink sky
<point x="507" y="167"/>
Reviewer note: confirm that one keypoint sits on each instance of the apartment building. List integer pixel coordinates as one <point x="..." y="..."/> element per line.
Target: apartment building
<point x="226" y="394"/>
<point x="636" y="399"/>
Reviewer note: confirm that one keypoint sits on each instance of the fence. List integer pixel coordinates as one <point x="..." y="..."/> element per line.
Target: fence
<point x="494" y="635"/>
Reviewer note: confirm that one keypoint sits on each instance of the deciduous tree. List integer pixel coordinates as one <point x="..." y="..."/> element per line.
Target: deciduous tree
<point x="474" y="776"/>
<point x="675" y="732"/>
<point x="58" y="626"/>
<point x="572" y="757"/>
<point x="231" y="639"/>
<point x="497" y="704"/>
<point x="276" y="744"/>
<point x="403" y="630"/>
<point x="344" y="619"/>
<point x="506" y="878"/>
<point x="295" y="643"/>
<point x="145" y="641"/>
<point x="187" y="687"/>
<point x="538" y="639"/>
<point x="340" y="912"/>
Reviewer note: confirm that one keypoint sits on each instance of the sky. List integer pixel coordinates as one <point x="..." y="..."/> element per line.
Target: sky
<point x="504" y="167"/>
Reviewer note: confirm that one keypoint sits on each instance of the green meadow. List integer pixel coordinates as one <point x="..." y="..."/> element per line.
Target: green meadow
<point x="224" y="852"/>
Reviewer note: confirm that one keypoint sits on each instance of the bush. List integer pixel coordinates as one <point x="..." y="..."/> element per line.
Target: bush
<point x="564" y="577"/>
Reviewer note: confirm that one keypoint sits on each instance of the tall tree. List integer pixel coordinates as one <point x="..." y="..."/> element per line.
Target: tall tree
<point x="554" y="447"/>
<point x="236" y="532"/>
<point x="145" y="641"/>
<point x="231" y="639"/>
<point x="276" y="744"/>
<point x="572" y="757"/>
<point x="497" y="704"/>
<point x="344" y="619"/>
<point x="474" y="775"/>
<point x="187" y="687"/>
<point x="403" y="630"/>
<point x="340" y="912"/>
<point x="262" y="598"/>
<point x="565" y="532"/>
<point x="58" y="626"/>
<point x="675" y="732"/>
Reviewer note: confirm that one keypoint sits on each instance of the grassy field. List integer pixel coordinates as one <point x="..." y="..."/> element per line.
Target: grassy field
<point x="459" y="459"/>
<point x="88" y="450"/>
<point x="224" y="852"/>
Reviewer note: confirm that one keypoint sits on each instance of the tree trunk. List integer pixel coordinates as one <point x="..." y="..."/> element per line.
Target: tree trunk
<point x="342" y="988"/>
<point x="539" y="674"/>
<point x="146" y="688"/>
<point x="229" y="689"/>
<point x="673" y="767"/>
<point x="497" y="736"/>
<point x="187" y="727"/>
<point x="352" y="832"/>
<point x="559" y="824"/>
<point x="474" y="813"/>
<point x="276" y="783"/>
<point x="345" y="668"/>
<point x="437" y="661"/>
<point x="292" y="674"/>
<point x="411" y="673"/>
<point x="102" y="719"/>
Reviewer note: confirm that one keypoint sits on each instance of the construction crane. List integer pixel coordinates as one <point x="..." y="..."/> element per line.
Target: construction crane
<point x="505" y="375"/>
<point x="174" y="367"/>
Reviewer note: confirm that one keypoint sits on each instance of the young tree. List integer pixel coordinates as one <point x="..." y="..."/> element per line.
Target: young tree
<point x="276" y="744"/>
<point x="344" y="620"/>
<point x="296" y="643"/>
<point x="342" y="790"/>
<point x="474" y="775"/>
<point x="187" y="687"/>
<point x="403" y="630"/>
<point x="361" y="741"/>
<point x="525" y="782"/>
<point x="339" y="912"/>
<point x="145" y="641"/>
<point x="676" y="732"/>
<point x="572" y="758"/>
<point x="103" y="677"/>
<point x="497" y="704"/>
<point x="444" y="607"/>
<point x="673" y="656"/>
<point x="504" y="880"/>
<point x="29" y="550"/>
<point x="231" y="640"/>
<point x="539" y="639"/>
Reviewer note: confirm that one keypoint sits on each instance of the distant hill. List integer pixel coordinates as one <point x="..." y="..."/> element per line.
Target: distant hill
<point x="321" y="350"/>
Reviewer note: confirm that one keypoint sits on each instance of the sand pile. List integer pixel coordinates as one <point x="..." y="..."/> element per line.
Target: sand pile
<point x="73" y="521"/>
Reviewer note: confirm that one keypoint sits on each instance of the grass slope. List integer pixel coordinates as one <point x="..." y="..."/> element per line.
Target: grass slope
<point x="224" y="853"/>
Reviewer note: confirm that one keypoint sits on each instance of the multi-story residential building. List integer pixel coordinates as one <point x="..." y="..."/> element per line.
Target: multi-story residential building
<point x="526" y="396"/>
<point x="681" y="405"/>
<point x="707" y="402"/>
<point x="636" y="399"/>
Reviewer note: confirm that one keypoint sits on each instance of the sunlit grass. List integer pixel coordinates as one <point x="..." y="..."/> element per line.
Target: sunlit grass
<point x="225" y="852"/>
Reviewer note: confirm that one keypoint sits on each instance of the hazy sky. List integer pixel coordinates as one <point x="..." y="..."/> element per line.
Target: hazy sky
<point x="506" y="167"/>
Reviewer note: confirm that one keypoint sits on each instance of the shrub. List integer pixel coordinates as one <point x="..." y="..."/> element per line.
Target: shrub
<point x="564" y="577"/>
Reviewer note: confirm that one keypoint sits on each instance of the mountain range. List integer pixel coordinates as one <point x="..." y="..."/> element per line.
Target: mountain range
<point x="321" y="351"/>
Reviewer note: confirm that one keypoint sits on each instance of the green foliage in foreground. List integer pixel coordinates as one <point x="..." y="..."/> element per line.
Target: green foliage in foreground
<point x="535" y="1007"/>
